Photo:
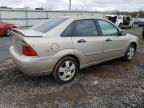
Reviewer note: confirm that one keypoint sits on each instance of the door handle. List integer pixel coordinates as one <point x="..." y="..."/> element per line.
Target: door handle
<point x="81" y="41"/>
<point x="108" y="40"/>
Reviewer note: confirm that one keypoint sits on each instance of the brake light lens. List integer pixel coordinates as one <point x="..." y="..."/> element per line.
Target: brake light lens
<point x="28" y="50"/>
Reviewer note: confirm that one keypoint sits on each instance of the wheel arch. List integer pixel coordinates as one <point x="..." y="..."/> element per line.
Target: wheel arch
<point x="69" y="55"/>
<point x="134" y="43"/>
<point x="55" y="74"/>
<point x="73" y="56"/>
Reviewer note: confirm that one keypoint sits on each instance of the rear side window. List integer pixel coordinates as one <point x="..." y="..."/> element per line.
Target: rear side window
<point x="107" y="28"/>
<point x="85" y="28"/>
<point x="48" y="24"/>
<point x="68" y="31"/>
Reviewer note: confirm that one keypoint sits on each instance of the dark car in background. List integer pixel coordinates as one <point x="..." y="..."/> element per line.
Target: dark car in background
<point x="139" y="22"/>
<point x="5" y="28"/>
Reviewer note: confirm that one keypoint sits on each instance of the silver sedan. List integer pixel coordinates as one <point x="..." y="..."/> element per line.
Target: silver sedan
<point x="62" y="46"/>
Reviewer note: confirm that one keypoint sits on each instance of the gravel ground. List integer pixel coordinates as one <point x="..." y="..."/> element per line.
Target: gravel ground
<point x="114" y="84"/>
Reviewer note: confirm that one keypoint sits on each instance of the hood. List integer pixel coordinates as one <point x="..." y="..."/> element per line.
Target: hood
<point x="130" y="36"/>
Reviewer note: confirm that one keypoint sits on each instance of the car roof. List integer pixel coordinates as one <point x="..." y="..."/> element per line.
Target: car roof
<point x="82" y="17"/>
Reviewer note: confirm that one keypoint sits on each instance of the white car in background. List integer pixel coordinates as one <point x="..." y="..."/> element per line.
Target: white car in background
<point x="122" y="21"/>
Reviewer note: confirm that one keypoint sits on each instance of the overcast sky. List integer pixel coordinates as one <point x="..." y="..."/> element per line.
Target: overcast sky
<point x="97" y="5"/>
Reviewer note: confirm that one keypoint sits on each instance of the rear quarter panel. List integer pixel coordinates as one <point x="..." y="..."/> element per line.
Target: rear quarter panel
<point x="51" y="47"/>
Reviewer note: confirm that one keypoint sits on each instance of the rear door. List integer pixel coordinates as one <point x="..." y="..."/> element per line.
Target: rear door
<point x="86" y="41"/>
<point x="113" y="43"/>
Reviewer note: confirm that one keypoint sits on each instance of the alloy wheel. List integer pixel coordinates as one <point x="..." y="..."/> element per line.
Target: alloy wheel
<point x="131" y="53"/>
<point x="67" y="70"/>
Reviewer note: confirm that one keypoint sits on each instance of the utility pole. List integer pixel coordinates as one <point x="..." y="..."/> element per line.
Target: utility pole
<point x="69" y="5"/>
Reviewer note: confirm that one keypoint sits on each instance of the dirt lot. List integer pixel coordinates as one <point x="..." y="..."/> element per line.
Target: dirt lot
<point x="114" y="84"/>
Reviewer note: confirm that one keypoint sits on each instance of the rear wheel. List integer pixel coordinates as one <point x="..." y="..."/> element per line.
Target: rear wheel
<point x="65" y="70"/>
<point x="8" y="32"/>
<point x="120" y="25"/>
<point x="130" y="53"/>
<point x="131" y="26"/>
<point x="143" y="34"/>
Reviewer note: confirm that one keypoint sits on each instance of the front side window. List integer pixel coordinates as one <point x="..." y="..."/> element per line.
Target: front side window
<point x="48" y="24"/>
<point x="85" y="28"/>
<point x="107" y="28"/>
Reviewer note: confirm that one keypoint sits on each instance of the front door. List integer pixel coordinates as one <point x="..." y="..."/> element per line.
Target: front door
<point x="113" y="43"/>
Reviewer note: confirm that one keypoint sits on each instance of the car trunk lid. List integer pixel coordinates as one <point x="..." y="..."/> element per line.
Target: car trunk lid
<point x="27" y="32"/>
<point x="19" y="37"/>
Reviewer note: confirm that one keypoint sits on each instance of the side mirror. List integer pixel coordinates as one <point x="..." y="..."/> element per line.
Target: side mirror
<point x="121" y="33"/>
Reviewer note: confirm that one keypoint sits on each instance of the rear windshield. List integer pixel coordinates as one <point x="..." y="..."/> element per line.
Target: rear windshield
<point x="49" y="24"/>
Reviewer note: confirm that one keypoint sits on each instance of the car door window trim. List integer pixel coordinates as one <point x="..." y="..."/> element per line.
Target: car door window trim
<point x="100" y="30"/>
<point x="71" y="24"/>
<point x="85" y="35"/>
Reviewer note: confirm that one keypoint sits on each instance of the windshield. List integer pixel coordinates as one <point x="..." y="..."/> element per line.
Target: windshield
<point x="49" y="24"/>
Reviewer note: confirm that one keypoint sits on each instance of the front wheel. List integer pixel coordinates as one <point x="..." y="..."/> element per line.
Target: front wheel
<point x="130" y="53"/>
<point x="65" y="70"/>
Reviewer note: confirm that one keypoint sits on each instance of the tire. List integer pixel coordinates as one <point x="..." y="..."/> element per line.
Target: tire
<point x="130" y="53"/>
<point x="131" y="26"/>
<point x="120" y="25"/>
<point x="8" y="32"/>
<point x="143" y="34"/>
<point x="65" y="70"/>
<point x="139" y="25"/>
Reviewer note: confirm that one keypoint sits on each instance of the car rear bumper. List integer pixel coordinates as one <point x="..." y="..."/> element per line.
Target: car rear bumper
<point x="32" y="65"/>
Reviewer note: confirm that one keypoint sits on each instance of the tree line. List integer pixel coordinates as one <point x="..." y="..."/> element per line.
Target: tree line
<point x="133" y="14"/>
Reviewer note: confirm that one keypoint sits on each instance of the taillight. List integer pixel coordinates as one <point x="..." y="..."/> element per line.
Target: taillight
<point x="28" y="50"/>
